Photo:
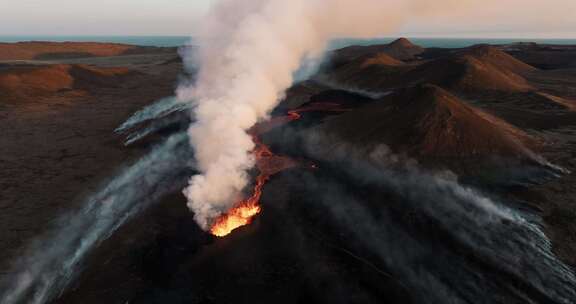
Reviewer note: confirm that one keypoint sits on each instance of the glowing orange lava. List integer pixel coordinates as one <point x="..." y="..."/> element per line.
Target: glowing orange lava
<point x="267" y="164"/>
<point x="242" y="214"/>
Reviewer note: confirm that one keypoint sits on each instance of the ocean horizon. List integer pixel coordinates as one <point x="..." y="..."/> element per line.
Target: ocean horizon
<point x="176" y="41"/>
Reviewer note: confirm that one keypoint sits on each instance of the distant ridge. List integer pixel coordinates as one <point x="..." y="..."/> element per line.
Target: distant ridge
<point x="479" y="68"/>
<point x="33" y="81"/>
<point x="44" y="50"/>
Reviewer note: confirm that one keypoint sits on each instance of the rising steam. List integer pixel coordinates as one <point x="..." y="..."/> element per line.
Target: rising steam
<point x="249" y="51"/>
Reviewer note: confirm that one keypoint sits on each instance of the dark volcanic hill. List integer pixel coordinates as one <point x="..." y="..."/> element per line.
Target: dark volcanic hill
<point x="401" y="49"/>
<point x="477" y="68"/>
<point x="436" y="128"/>
<point x="372" y="71"/>
<point x="480" y="68"/>
<point x="427" y="120"/>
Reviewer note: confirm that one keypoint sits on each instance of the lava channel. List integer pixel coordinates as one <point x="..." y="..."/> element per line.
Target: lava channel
<point x="267" y="164"/>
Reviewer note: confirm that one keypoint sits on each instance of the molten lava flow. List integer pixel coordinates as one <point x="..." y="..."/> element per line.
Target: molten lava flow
<point x="242" y="214"/>
<point x="294" y="115"/>
<point x="267" y="164"/>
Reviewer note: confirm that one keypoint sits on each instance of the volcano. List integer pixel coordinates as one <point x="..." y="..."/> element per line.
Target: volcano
<point x="427" y="185"/>
<point x="268" y="164"/>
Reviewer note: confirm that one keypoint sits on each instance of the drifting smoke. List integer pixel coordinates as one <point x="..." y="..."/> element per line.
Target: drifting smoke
<point x="249" y="51"/>
<point x="52" y="262"/>
<point x="419" y="230"/>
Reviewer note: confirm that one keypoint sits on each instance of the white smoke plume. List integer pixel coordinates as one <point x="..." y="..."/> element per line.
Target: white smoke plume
<point x="248" y="52"/>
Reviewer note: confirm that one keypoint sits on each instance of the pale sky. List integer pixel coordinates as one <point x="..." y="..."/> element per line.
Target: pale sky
<point x="509" y="18"/>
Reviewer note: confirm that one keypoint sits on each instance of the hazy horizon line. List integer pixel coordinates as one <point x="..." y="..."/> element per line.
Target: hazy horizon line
<point x="400" y="35"/>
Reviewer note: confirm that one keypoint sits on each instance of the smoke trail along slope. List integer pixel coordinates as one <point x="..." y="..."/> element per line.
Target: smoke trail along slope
<point x="508" y="259"/>
<point x="248" y="53"/>
<point x="52" y="262"/>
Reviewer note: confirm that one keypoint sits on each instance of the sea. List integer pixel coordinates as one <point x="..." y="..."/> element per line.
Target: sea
<point x="176" y="41"/>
